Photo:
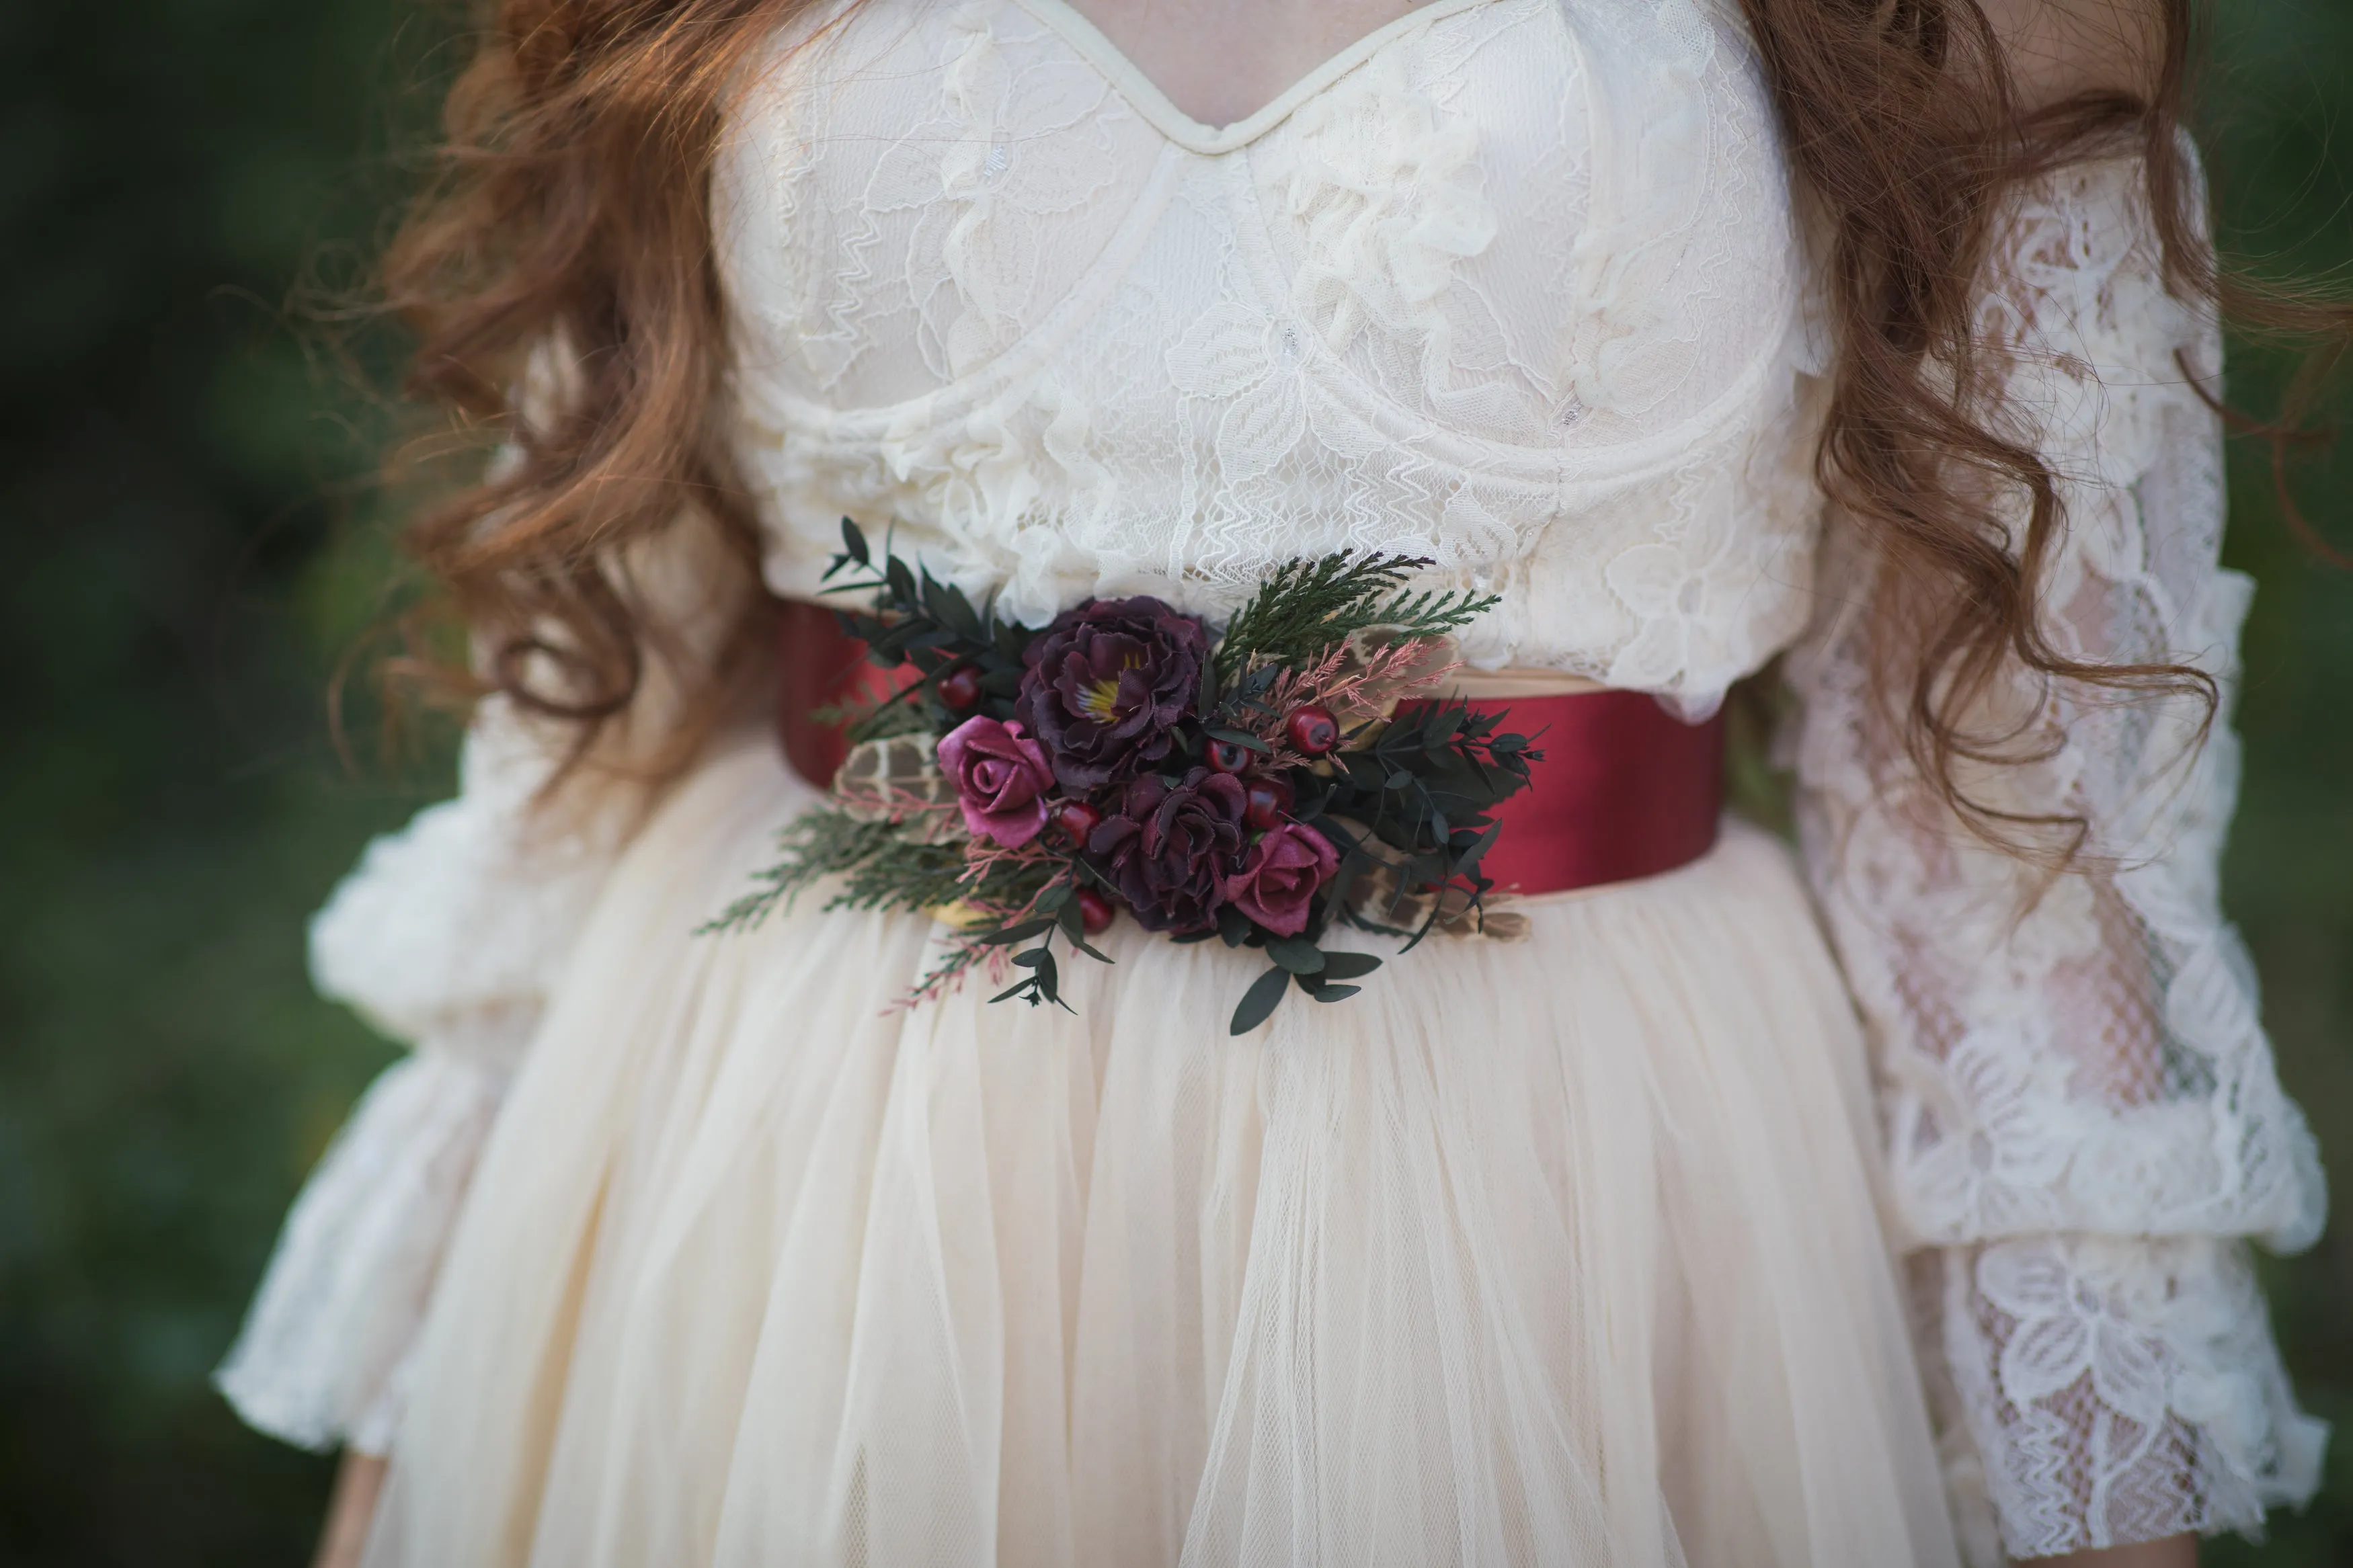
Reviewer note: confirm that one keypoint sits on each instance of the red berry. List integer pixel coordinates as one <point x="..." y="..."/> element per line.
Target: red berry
<point x="1075" y="820"/>
<point x="960" y="688"/>
<point x="1268" y="802"/>
<point x="1095" y="911"/>
<point x="1311" y="730"/>
<point x="1226" y="757"/>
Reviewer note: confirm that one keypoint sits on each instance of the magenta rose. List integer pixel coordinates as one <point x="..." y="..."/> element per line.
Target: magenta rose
<point x="1000" y="777"/>
<point x="1281" y="875"/>
<point x="1169" y="847"/>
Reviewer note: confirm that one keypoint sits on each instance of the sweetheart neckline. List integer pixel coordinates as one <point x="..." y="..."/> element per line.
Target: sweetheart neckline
<point x="1215" y="141"/>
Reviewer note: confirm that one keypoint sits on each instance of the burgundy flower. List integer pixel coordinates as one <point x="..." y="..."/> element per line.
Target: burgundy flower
<point x="1280" y="876"/>
<point x="1107" y="683"/>
<point x="1000" y="777"/>
<point x="1169" y="848"/>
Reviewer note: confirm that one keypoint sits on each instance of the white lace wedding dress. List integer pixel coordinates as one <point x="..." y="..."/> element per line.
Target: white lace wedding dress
<point x="1585" y="1248"/>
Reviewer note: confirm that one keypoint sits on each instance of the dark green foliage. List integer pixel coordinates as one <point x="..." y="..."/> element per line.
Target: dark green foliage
<point x="1304" y="606"/>
<point x="880" y="867"/>
<point x="911" y="618"/>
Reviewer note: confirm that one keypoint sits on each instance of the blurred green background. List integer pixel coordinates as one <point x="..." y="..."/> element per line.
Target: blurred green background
<point x="188" y="546"/>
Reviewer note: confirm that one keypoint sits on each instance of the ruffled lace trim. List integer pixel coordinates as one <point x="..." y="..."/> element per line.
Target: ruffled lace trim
<point x="450" y="934"/>
<point x="453" y="928"/>
<point x="319" y="1360"/>
<point x="2122" y="1390"/>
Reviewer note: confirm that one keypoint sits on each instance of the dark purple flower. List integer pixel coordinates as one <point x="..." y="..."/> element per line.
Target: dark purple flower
<point x="1169" y="848"/>
<point x="1280" y="876"/>
<point x="1000" y="777"/>
<point x="1106" y="685"/>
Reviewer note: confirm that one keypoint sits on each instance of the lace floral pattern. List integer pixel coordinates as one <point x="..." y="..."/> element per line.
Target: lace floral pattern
<point x="1106" y="355"/>
<point x="2126" y="1390"/>
<point x="2080" y="1098"/>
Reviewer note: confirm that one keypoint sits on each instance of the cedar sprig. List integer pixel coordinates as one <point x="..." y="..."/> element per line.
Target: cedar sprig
<point x="883" y="866"/>
<point x="1303" y="607"/>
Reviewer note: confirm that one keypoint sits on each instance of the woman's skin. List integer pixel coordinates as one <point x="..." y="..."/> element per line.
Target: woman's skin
<point x="1187" y="48"/>
<point x="350" y="1511"/>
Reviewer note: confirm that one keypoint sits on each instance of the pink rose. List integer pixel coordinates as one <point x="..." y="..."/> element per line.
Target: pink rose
<point x="1281" y="875"/>
<point x="1000" y="776"/>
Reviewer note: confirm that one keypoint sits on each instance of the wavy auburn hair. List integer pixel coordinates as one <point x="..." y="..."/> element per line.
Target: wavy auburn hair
<point x="570" y="209"/>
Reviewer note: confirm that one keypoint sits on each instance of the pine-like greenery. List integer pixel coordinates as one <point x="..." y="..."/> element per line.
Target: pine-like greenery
<point x="882" y="865"/>
<point x="1306" y="606"/>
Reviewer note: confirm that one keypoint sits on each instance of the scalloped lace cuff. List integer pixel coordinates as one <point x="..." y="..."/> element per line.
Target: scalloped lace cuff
<point x="2120" y="1390"/>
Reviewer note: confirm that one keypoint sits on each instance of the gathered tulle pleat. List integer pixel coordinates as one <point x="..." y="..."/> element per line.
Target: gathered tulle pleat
<point x="1558" y="1251"/>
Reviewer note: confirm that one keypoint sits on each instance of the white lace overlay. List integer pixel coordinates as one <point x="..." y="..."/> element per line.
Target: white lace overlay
<point x="1514" y="285"/>
<point x="448" y="935"/>
<point x="2082" y="1058"/>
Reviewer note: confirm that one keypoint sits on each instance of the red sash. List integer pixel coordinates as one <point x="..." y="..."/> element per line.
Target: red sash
<point x="1625" y="790"/>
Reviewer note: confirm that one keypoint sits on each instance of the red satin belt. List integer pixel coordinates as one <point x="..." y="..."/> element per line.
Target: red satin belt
<point x="1625" y="789"/>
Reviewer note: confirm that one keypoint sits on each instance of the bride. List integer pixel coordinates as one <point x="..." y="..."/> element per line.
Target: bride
<point x="1885" y="1201"/>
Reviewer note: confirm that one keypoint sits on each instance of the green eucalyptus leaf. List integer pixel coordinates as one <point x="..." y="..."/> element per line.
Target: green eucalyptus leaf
<point x="1296" y="955"/>
<point x="1007" y="935"/>
<point x="1259" y="1001"/>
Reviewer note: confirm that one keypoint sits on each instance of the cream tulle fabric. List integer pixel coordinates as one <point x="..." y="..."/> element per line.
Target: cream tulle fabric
<point x="1552" y="1251"/>
<point x="1549" y="1251"/>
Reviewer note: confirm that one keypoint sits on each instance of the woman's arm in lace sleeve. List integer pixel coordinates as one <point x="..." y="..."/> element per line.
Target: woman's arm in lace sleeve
<point x="446" y="937"/>
<point x="2080" y="1101"/>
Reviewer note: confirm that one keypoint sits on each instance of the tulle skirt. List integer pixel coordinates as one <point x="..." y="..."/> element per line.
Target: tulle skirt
<point x="1561" y="1250"/>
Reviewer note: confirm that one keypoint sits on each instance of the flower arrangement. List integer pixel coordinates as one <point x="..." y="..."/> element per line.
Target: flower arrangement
<point x="1256" y="786"/>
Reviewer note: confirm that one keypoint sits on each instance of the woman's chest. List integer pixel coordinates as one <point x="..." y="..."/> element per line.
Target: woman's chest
<point x="1519" y="223"/>
<point x="1509" y="285"/>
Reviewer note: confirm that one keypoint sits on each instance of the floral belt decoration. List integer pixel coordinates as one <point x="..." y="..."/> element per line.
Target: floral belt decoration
<point x="1258" y="786"/>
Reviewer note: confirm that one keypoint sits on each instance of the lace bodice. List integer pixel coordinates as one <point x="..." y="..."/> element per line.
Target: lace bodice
<point x="1517" y="285"/>
<point x="1511" y="285"/>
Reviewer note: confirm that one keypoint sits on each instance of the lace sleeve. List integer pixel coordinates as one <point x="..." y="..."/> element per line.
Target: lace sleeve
<point x="446" y="936"/>
<point x="2080" y="1102"/>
